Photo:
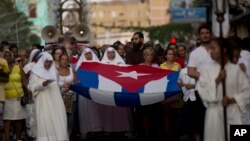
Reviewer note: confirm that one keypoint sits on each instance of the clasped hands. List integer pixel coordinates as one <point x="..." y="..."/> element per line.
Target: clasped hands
<point x="226" y="100"/>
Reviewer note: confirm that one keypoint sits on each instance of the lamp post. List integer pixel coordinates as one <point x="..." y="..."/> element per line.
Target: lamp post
<point x="220" y="9"/>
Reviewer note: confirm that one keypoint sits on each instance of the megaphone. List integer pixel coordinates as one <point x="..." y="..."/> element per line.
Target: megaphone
<point x="81" y="32"/>
<point x="50" y="34"/>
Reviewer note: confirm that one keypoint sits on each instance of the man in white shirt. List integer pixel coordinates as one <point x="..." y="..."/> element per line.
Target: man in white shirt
<point x="197" y="61"/>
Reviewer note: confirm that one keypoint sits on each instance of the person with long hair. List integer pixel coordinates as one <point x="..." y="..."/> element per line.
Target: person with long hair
<point x="67" y="76"/>
<point x="114" y="119"/>
<point x="4" y="78"/>
<point x="89" y="111"/>
<point x="171" y="110"/>
<point x="14" y="90"/>
<point x="56" y="52"/>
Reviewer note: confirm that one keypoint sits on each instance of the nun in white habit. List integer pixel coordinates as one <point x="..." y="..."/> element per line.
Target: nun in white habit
<point x="89" y="111"/>
<point x="114" y="118"/>
<point x="88" y="55"/>
<point x="32" y="60"/>
<point x="50" y="110"/>
<point x="111" y="56"/>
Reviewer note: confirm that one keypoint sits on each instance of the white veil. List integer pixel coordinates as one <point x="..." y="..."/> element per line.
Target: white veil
<point x="116" y="61"/>
<point x="40" y="71"/>
<point x="30" y="64"/>
<point x="83" y="58"/>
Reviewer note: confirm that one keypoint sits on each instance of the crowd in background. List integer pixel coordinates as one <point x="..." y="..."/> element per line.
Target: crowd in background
<point x="45" y="74"/>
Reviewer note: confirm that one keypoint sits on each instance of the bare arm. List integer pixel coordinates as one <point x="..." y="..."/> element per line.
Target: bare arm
<point x="192" y="72"/>
<point x="75" y="77"/>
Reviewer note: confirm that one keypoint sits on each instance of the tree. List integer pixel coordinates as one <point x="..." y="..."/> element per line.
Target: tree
<point x="15" y="26"/>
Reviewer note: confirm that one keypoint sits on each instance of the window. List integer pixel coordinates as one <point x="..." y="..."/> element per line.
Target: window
<point x="32" y="10"/>
<point x="101" y="14"/>
<point x="113" y="14"/>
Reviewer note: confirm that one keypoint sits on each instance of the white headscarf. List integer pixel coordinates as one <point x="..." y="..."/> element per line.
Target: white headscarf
<point x="40" y="71"/>
<point x="83" y="58"/>
<point x="33" y="53"/>
<point x="30" y="65"/>
<point x="116" y="61"/>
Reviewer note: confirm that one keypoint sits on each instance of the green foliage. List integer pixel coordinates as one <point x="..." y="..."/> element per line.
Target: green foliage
<point x="165" y="32"/>
<point x="15" y="24"/>
<point x="196" y="3"/>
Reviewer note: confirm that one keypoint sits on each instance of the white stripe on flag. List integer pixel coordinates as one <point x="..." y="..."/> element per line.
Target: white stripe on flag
<point x="107" y="84"/>
<point x="150" y="98"/>
<point x="156" y="86"/>
<point x="102" y="97"/>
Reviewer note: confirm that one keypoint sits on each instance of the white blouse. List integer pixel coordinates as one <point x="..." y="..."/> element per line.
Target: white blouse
<point x="185" y="79"/>
<point x="66" y="79"/>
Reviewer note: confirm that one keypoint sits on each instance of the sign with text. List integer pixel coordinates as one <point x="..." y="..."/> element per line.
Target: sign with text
<point x="188" y="15"/>
<point x="239" y="132"/>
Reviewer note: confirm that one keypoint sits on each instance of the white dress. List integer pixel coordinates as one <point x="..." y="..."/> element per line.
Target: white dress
<point x="50" y="110"/>
<point x="237" y="87"/>
<point x="245" y="59"/>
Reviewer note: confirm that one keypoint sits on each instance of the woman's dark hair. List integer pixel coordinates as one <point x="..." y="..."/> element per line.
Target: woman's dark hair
<point x="58" y="47"/>
<point x="64" y="54"/>
<point x="246" y="43"/>
<point x="166" y="51"/>
<point x="171" y="44"/>
<point x="35" y="56"/>
<point x="96" y="51"/>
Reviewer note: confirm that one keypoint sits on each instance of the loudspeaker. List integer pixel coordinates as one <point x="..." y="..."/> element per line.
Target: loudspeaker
<point x="50" y="34"/>
<point x="81" y="32"/>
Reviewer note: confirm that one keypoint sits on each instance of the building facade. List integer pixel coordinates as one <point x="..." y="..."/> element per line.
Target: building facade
<point x="39" y="12"/>
<point x="104" y="16"/>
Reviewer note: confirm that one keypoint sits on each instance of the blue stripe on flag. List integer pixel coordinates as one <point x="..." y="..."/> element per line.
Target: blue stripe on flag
<point x="170" y="94"/>
<point x="125" y="99"/>
<point x="79" y="89"/>
<point x="141" y="90"/>
<point x="173" y="86"/>
<point x="88" y="78"/>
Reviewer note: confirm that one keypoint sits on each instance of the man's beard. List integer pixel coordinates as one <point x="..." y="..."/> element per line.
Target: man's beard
<point x="137" y="46"/>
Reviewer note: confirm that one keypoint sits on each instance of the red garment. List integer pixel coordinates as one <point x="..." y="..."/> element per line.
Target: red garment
<point x="181" y="61"/>
<point x="73" y="60"/>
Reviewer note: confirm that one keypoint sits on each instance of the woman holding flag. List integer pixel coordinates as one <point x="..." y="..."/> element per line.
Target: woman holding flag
<point x="89" y="111"/>
<point x="210" y="90"/>
<point x="115" y="119"/>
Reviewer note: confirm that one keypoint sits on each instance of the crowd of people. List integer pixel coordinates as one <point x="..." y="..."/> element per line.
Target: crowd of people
<point x="43" y="76"/>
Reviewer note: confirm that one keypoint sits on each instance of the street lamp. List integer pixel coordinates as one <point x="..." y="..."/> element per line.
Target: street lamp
<point x="220" y="10"/>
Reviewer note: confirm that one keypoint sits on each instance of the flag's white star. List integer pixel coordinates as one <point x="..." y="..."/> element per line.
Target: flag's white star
<point x="132" y="74"/>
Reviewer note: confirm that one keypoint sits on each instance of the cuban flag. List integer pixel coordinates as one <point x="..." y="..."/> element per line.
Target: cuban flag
<point x="129" y="86"/>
